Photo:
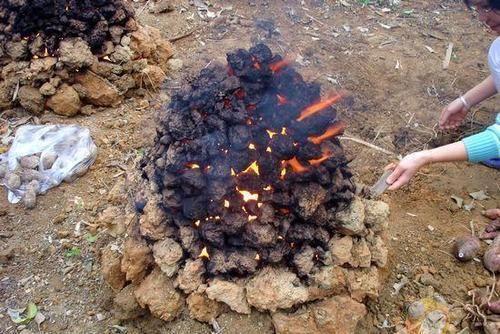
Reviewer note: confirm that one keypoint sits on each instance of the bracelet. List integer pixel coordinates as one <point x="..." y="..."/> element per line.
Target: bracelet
<point x="464" y="102"/>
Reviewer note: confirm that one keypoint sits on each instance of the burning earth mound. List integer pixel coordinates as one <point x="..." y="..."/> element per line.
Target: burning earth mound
<point x="251" y="204"/>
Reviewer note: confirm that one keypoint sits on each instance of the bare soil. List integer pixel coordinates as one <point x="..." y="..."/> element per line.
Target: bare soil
<point x="398" y="88"/>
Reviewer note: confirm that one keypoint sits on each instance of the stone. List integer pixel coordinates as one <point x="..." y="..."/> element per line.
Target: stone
<point x="29" y="199"/>
<point x="361" y="256"/>
<point x="167" y="254"/>
<point x="275" y="288"/>
<point x="150" y="77"/>
<point x="136" y="259"/>
<point x="378" y="251"/>
<point x="31" y="99"/>
<point x="230" y="293"/>
<point x="341" y="249"/>
<point x="42" y="66"/>
<point x="48" y="159"/>
<point x="363" y="283"/>
<point x="125" y="304"/>
<point x="141" y="43"/>
<point x="376" y="215"/>
<point x="75" y="53"/>
<point x="116" y="33"/>
<point x="339" y="314"/>
<point x="351" y="220"/>
<point x="153" y="221"/>
<point x="202" y="308"/>
<point x="97" y="90"/>
<point x="310" y="197"/>
<point x="416" y="310"/>
<point x="162" y="54"/>
<point x="118" y="193"/>
<point x="429" y="280"/>
<point x="13" y="181"/>
<point x="304" y="260"/>
<point x="65" y="101"/>
<point x="47" y="89"/>
<point x="111" y="269"/>
<point x="191" y="276"/>
<point x="157" y="292"/>
<point x="29" y="161"/>
<point x="175" y="64"/>
<point x="17" y="50"/>
<point x="121" y="55"/>
<point x="114" y="220"/>
<point x="326" y="282"/>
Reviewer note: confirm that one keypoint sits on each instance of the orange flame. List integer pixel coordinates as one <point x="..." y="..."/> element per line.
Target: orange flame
<point x="281" y="99"/>
<point x="325" y="156"/>
<point x="334" y="130"/>
<point x="253" y="167"/>
<point x="250" y="218"/>
<point x="197" y="223"/>
<point x="319" y="106"/>
<point x="271" y="133"/>
<point x="251" y="146"/>
<point x="283" y="173"/>
<point x="277" y="66"/>
<point x="204" y="254"/>
<point x="247" y="196"/>
<point x="283" y="131"/>
<point x="296" y="165"/>
<point x="193" y="166"/>
<point x="233" y="173"/>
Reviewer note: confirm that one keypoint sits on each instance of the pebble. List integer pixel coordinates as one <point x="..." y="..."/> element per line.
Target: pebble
<point x="175" y="64"/>
<point x="100" y="317"/>
<point x="428" y="279"/>
<point x="416" y="310"/>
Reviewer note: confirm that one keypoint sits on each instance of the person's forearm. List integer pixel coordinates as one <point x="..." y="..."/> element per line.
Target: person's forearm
<point x="447" y="153"/>
<point x="481" y="92"/>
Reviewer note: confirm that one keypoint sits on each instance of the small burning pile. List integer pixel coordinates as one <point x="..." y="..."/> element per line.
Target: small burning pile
<point x="252" y="202"/>
<point x="63" y="54"/>
<point x="249" y="168"/>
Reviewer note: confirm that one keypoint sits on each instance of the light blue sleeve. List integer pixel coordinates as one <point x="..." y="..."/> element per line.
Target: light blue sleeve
<point x="484" y="145"/>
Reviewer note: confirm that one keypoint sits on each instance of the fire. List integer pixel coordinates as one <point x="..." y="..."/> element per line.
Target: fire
<point x="253" y="167"/>
<point x="250" y="218"/>
<point x="193" y="166"/>
<point x="226" y="203"/>
<point x="283" y="131"/>
<point x="251" y="146"/>
<point x="271" y="133"/>
<point x="197" y="223"/>
<point x="325" y="156"/>
<point x="268" y="188"/>
<point x="268" y="149"/>
<point x="204" y="254"/>
<point x="259" y="205"/>
<point x="334" y="130"/>
<point x="281" y="99"/>
<point x="280" y="64"/>
<point x="319" y="106"/>
<point x="283" y="173"/>
<point x="248" y="196"/>
<point x="233" y="173"/>
<point x="296" y="165"/>
<point x="257" y="257"/>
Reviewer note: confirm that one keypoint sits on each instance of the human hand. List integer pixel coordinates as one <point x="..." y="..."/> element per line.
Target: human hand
<point x="453" y="115"/>
<point x="406" y="168"/>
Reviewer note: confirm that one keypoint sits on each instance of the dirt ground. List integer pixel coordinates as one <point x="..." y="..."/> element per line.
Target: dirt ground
<point x="392" y="64"/>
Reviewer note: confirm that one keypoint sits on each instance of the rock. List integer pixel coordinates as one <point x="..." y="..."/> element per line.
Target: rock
<point x="191" y="276"/>
<point x="121" y="55"/>
<point x="351" y="220"/>
<point x="115" y="222"/>
<point x="97" y="90"/>
<point x="275" y="288"/>
<point x="136" y="259"/>
<point x="125" y="305"/>
<point x="31" y="99"/>
<point x="162" y="54"/>
<point x="150" y="77"/>
<point x="75" y="53"/>
<point x="167" y="254"/>
<point x="106" y="69"/>
<point x="328" y="281"/>
<point x="161" y="7"/>
<point x="118" y="193"/>
<point x="376" y="215"/>
<point x="361" y="256"/>
<point x="153" y="221"/>
<point x="310" y="197"/>
<point x="41" y="67"/>
<point x="416" y="310"/>
<point x="230" y="293"/>
<point x="341" y="249"/>
<point x="202" y="308"/>
<point x="116" y="33"/>
<point x="29" y="199"/>
<point x="17" y="50"/>
<point x="175" y="64"/>
<point x="304" y="260"/>
<point x="429" y="280"/>
<point x="65" y="101"/>
<point x="158" y="293"/>
<point x="29" y="161"/>
<point x="141" y="43"/>
<point x="339" y="314"/>
<point x="13" y="181"/>
<point x="111" y="269"/>
<point x="363" y="283"/>
<point x="47" y="89"/>
<point x="378" y="250"/>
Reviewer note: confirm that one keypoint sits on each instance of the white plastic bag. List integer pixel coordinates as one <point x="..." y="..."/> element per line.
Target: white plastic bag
<point x="71" y="144"/>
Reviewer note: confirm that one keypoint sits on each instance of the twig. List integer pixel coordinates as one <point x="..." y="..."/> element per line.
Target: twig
<point x="370" y="145"/>
<point x="447" y="58"/>
<point x="143" y="8"/>
<point x="315" y="19"/>
<point x="472" y="228"/>
<point x="16" y="91"/>
<point x="189" y="33"/>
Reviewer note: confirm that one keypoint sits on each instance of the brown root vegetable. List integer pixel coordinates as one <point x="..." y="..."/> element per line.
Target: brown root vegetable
<point x="492" y="213"/>
<point x="492" y="256"/>
<point x="489" y="235"/>
<point x="466" y="248"/>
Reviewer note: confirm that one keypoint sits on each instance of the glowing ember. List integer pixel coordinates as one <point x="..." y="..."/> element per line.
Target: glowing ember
<point x="253" y="167"/>
<point x="251" y="146"/>
<point x="281" y="99"/>
<point x="248" y="196"/>
<point x="268" y="149"/>
<point x="257" y="257"/>
<point x="259" y="205"/>
<point x="317" y="107"/>
<point x="283" y="173"/>
<point x="280" y="237"/>
<point x="283" y="131"/>
<point x="268" y="188"/>
<point x="296" y="165"/>
<point x="226" y="203"/>
<point x="316" y="162"/>
<point x="271" y="133"/>
<point x="204" y="254"/>
<point x="250" y="218"/>
<point x="233" y="173"/>
<point x="193" y="166"/>
<point x="197" y="223"/>
<point x="277" y="66"/>
<point x="336" y="129"/>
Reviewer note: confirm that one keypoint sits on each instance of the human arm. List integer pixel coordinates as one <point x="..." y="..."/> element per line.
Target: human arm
<point x="454" y="113"/>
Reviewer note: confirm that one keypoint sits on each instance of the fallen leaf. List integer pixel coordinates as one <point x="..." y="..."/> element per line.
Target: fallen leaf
<point x="24" y="315"/>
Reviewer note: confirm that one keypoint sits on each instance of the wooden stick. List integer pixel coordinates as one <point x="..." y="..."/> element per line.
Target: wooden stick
<point x="370" y="145"/>
<point x="447" y="58"/>
<point x="189" y="33"/>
